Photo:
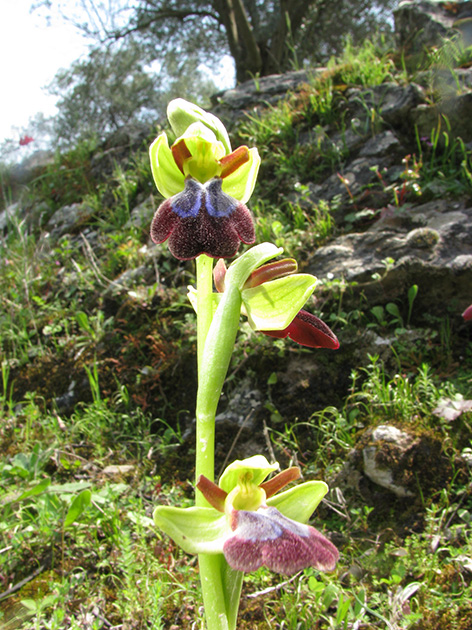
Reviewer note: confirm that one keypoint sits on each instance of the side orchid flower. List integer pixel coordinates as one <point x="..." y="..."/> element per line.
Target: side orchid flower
<point x="251" y="526"/>
<point x="266" y="289"/>
<point x="206" y="186"/>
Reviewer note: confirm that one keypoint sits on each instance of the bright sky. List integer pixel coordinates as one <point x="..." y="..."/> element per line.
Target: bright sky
<point x="31" y="53"/>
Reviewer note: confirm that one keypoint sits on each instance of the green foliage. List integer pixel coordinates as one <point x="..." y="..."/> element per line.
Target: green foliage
<point x="292" y="135"/>
<point x="295" y="226"/>
<point x="399" y="398"/>
<point x="69" y="177"/>
<point x="116" y="87"/>
<point x="367" y="64"/>
<point x="452" y="53"/>
<point x="446" y="162"/>
<point x="262" y="38"/>
<point x="101" y="94"/>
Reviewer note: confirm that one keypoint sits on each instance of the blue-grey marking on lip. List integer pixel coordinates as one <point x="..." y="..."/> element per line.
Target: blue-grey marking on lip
<point x="188" y="203"/>
<point x="218" y="204"/>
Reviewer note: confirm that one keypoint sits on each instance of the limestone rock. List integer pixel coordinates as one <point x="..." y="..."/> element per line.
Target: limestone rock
<point x="456" y="108"/>
<point x="392" y="460"/>
<point x="31" y="166"/>
<point x="424" y="23"/>
<point x="231" y="105"/>
<point x="142" y="214"/>
<point x="8" y="215"/>
<point x="118" y="148"/>
<point x="269" y="89"/>
<point x="69" y="219"/>
<point x="431" y="246"/>
<point x="379" y="471"/>
<point x="391" y="101"/>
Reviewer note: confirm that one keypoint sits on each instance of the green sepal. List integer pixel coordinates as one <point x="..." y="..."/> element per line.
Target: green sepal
<point x="299" y="502"/>
<point x="255" y="468"/>
<point x="167" y="175"/>
<point x="273" y="305"/>
<point x="195" y="529"/>
<point x="182" y="114"/>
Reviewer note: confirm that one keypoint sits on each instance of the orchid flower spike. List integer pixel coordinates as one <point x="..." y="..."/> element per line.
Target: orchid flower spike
<point x="206" y="186"/>
<point x="251" y="526"/>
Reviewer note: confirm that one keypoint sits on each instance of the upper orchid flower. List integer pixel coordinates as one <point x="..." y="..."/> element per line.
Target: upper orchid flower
<point x="271" y="284"/>
<point x="205" y="184"/>
<point x="250" y="526"/>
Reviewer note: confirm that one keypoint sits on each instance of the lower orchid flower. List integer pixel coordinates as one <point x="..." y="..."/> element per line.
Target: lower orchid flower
<point x="249" y="525"/>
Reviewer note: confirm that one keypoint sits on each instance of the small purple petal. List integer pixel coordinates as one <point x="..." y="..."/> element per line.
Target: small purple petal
<point x="307" y="330"/>
<point x="266" y="537"/>
<point x="202" y="220"/>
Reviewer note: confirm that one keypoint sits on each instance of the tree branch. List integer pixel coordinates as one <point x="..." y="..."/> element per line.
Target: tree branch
<point x="144" y="23"/>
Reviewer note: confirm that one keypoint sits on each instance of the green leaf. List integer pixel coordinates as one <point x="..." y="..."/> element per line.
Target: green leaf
<point x="257" y="466"/>
<point x="140" y="519"/>
<point x="378" y="313"/>
<point x="299" y="502"/>
<point x="272" y="380"/>
<point x="77" y="507"/>
<point x="412" y="293"/>
<point x="195" y="529"/>
<point x="273" y="305"/>
<point x="393" y="309"/>
<point x="37" y="489"/>
<point x="83" y="321"/>
<point x="67" y="488"/>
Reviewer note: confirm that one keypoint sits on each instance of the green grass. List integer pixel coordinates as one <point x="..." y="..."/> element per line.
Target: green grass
<point x="109" y="559"/>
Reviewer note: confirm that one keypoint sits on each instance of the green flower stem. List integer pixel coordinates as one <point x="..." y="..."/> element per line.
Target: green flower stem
<point x="204" y="302"/>
<point x="221" y="586"/>
<point x="214" y="361"/>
